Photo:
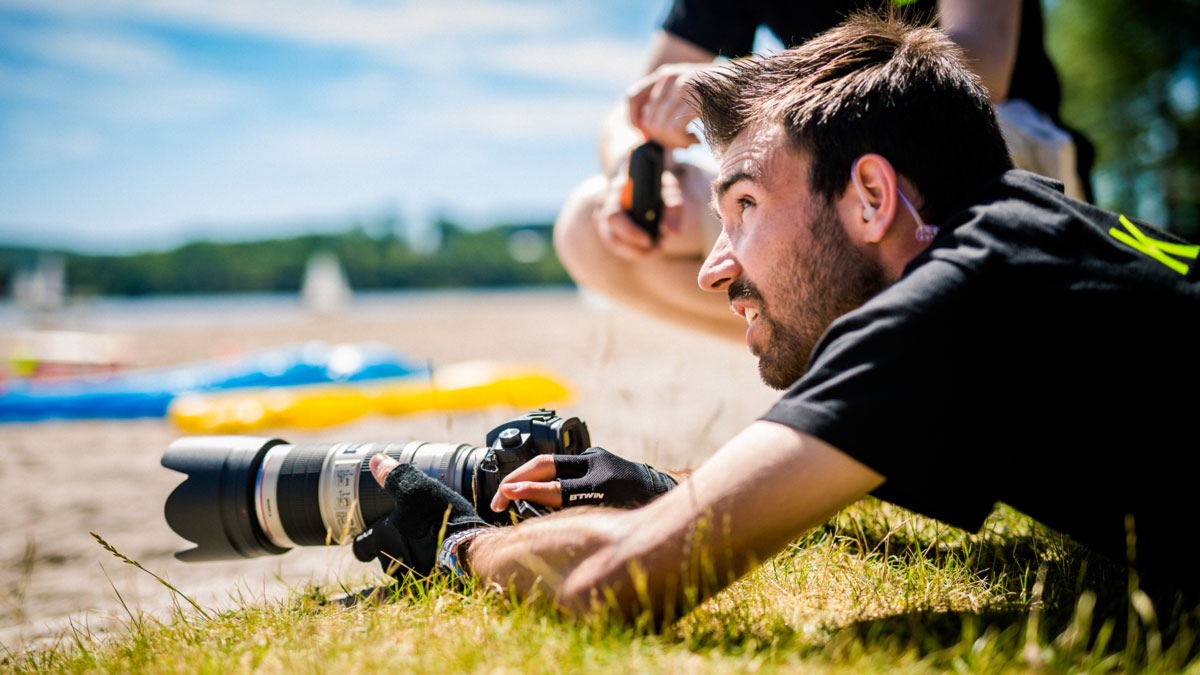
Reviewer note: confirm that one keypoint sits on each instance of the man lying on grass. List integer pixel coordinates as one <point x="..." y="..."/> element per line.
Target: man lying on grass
<point x="950" y="334"/>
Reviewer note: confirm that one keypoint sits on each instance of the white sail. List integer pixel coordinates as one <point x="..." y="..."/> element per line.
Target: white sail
<point x="325" y="288"/>
<point x="43" y="288"/>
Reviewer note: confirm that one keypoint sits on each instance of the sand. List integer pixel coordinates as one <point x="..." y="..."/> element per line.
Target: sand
<point x="647" y="390"/>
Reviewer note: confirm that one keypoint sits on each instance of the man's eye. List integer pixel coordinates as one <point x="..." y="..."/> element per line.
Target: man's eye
<point x="744" y="203"/>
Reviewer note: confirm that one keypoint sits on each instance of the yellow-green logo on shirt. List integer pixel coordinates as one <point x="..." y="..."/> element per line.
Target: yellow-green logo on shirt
<point x="1164" y="252"/>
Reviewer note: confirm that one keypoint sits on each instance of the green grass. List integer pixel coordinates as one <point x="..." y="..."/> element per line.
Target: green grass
<point x="876" y="590"/>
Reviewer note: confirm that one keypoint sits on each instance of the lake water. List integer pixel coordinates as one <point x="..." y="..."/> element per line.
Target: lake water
<point x="239" y="309"/>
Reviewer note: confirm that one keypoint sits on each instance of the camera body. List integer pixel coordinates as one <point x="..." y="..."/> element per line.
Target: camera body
<point x="247" y="496"/>
<point x="642" y="196"/>
<point x="516" y="442"/>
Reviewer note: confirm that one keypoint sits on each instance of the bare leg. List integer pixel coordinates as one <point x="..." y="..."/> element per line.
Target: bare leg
<point x="663" y="285"/>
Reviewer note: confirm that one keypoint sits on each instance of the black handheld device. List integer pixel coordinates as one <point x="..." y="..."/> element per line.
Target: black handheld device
<point x="642" y="197"/>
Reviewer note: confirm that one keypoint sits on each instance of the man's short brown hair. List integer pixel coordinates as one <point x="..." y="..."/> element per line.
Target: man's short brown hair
<point x="874" y="83"/>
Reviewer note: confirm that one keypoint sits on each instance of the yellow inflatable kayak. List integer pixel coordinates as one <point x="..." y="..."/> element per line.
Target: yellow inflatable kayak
<point x="461" y="386"/>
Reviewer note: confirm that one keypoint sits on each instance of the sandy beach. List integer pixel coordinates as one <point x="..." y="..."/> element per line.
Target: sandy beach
<point x="646" y="389"/>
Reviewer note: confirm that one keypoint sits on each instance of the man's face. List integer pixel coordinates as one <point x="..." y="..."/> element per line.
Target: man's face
<point x="783" y="255"/>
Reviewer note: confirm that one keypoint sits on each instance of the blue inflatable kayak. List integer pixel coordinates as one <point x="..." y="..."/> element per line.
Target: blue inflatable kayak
<point x="149" y="393"/>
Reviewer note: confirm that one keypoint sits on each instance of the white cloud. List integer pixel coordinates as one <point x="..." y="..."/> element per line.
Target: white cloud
<point x="431" y="37"/>
<point x="108" y="74"/>
<point x="30" y="85"/>
<point x="541" y="119"/>
<point x="185" y="99"/>
<point x="36" y="143"/>
<point x="372" y="25"/>
<point x="174" y="97"/>
<point x="93" y="49"/>
<point x="373" y="89"/>
<point x="594" y="60"/>
<point x="330" y="145"/>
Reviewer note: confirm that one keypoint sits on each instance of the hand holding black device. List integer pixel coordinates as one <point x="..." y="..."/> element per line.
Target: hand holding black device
<point x="642" y="196"/>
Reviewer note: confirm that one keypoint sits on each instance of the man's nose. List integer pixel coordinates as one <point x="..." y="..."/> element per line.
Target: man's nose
<point x="720" y="268"/>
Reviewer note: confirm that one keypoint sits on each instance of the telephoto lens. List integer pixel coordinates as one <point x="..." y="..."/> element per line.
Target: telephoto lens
<point x="249" y="496"/>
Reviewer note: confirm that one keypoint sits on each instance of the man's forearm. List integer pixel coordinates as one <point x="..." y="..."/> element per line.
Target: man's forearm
<point x="650" y="561"/>
<point x="679" y="475"/>
<point x="538" y="556"/>
<point x="587" y="559"/>
<point x="989" y="33"/>
<point x="761" y="490"/>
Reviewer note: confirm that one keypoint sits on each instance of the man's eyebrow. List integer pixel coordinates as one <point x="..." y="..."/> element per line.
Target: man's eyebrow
<point x="722" y="185"/>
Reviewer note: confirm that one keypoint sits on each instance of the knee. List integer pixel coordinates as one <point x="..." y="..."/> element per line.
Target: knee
<point x="575" y="236"/>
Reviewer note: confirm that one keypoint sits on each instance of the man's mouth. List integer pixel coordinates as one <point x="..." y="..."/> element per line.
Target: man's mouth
<point x="751" y="315"/>
<point x="746" y="302"/>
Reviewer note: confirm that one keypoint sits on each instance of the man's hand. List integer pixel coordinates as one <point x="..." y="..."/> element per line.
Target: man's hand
<point x="685" y="217"/>
<point x="660" y="104"/>
<point x="595" y="477"/>
<point x="406" y="540"/>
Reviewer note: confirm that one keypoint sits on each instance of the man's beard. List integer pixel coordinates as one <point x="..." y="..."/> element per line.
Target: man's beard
<point x="820" y="283"/>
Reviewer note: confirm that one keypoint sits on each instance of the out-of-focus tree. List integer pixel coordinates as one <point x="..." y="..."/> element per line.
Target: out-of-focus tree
<point x="1131" y="82"/>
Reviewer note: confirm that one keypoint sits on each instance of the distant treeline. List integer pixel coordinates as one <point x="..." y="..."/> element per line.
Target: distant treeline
<point x="503" y="255"/>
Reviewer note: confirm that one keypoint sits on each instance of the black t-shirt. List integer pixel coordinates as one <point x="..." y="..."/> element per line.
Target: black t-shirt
<point x="1041" y="353"/>
<point x="728" y="29"/>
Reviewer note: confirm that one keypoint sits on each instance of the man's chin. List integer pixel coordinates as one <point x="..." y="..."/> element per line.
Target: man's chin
<point x="780" y="366"/>
<point x="775" y="377"/>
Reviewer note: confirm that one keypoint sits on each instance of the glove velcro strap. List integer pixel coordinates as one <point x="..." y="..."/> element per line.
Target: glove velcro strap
<point x="660" y="481"/>
<point x="449" y="558"/>
<point x="597" y="476"/>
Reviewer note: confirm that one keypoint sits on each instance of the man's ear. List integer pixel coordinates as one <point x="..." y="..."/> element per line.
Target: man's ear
<point x="873" y="182"/>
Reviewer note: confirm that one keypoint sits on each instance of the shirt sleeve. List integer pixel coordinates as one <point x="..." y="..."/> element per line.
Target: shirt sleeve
<point x="723" y="28"/>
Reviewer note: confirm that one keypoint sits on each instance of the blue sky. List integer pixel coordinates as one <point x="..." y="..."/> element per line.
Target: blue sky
<point x="129" y="125"/>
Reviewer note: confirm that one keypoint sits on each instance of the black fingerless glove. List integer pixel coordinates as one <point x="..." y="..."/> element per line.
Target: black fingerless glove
<point x="596" y="476"/>
<point x="406" y="540"/>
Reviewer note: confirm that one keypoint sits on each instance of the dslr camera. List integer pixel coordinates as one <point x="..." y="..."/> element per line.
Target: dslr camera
<point x="248" y="496"/>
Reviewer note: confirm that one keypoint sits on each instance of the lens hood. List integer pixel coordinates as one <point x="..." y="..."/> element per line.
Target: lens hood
<point x="214" y="505"/>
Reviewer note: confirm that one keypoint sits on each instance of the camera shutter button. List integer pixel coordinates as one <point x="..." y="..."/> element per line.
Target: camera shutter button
<point x="510" y="437"/>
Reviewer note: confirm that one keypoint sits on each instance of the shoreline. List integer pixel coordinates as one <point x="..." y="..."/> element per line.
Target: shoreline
<point x="177" y="310"/>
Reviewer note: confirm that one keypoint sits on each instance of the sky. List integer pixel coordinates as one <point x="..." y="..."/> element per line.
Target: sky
<point x="139" y="125"/>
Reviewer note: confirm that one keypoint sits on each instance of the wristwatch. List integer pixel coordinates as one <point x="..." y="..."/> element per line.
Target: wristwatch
<point x="450" y="558"/>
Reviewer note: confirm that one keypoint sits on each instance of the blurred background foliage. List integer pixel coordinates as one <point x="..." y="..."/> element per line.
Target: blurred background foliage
<point x="1131" y="83"/>
<point x="449" y="256"/>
